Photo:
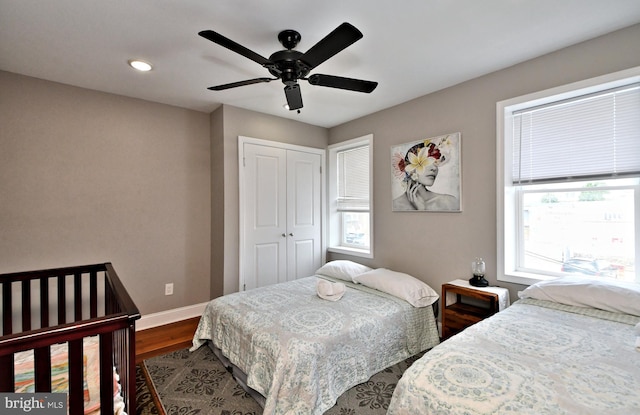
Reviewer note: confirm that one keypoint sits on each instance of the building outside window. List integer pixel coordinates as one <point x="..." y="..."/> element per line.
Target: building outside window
<point x="569" y="181"/>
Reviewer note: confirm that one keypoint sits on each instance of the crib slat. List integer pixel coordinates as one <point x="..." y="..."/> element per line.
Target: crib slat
<point x="109" y="299"/>
<point x="128" y="368"/>
<point x="76" y="381"/>
<point x="7" y="316"/>
<point x="44" y="302"/>
<point x="77" y="296"/>
<point x="62" y="299"/>
<point x="93" y="294"/>
<point x="42" y="366"/>
<point x="26" y="305"/>
<point x="7" y="374"/>
<point x="106" y="374"/>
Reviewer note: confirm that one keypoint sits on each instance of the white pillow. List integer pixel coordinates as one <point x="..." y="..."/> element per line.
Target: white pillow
<point x="401" y="285"/>
<point x="342" y="269"/>
<point x="609" y="295"/>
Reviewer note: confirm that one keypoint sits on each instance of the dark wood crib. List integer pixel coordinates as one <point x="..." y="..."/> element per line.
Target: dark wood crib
<point x="66" y="305"/>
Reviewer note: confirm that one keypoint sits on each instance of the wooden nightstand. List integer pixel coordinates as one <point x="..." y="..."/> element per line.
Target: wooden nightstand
<point x="464" y="305"/>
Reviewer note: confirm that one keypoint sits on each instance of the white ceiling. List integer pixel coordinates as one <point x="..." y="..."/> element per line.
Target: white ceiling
<point x="411" y="47"/>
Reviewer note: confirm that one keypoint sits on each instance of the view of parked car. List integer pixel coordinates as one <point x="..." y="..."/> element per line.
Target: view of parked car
<point x="595" y="267"/>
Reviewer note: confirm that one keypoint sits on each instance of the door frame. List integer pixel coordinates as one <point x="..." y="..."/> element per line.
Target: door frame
<point x="242" y="140"/>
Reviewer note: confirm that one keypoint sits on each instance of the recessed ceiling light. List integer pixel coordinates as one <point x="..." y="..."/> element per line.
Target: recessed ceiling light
<point x="141" y="66"/>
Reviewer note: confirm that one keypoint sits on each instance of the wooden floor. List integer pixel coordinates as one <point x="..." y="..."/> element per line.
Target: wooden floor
<point x="164" y="339"/>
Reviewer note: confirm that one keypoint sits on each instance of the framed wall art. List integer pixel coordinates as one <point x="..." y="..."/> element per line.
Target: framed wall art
<point x="425" y="175"/>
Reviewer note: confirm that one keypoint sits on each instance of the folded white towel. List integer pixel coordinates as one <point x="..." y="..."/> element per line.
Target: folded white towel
<point x="331" y="291"/>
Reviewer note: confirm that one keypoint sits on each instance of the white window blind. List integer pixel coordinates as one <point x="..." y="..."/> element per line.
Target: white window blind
<point x="587" y="137"/>
<point x="353" y="179"/>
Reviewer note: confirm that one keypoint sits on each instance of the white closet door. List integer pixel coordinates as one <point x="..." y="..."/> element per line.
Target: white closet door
<point x="303" y="214"/>
<point x="265" y="216"/>
<point x="280" y="214"/>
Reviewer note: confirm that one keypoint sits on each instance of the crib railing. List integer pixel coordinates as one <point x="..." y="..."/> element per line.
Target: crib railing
<point x="87" y="300"/>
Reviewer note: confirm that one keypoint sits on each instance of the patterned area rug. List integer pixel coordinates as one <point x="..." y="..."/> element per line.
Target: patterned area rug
<point x="145" y="404"/>
<point x="197" y="383"/>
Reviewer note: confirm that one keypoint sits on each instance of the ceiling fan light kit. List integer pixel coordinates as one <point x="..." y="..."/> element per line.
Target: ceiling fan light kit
<point x="290" y="65"/>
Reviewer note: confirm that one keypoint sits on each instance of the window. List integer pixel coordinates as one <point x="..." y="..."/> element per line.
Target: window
<point x="350" y="213"/>
<point x="569" y="181"/>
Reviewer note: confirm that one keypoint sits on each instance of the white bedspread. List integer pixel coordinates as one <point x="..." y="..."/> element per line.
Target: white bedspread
<point x="536" y="357"/>
<point x="302" y="352"/>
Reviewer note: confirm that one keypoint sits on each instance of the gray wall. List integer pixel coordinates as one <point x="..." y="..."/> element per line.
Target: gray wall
<point x="217" y="204"/>
<point x="92" y="177"/>
<point x="439" y="247"/>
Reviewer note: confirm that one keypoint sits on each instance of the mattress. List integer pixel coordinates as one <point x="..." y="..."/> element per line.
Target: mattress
<point x="302" y="352"/>
<point x="24" y="375"/>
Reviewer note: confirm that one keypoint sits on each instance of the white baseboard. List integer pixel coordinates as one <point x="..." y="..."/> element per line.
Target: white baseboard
<point x="169" y="316"/>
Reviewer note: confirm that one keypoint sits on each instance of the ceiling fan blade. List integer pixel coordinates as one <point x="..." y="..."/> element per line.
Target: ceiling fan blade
<point x="240" y="83"/>
<point x="235" y="47"/>
<point x="351" y="84"/>
<point x="294" y="96"/>
<point x="336" y="41"/>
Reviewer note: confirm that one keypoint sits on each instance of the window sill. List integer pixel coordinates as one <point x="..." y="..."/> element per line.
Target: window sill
<point x="363" y="253"/>
<point x="524" y="278"/>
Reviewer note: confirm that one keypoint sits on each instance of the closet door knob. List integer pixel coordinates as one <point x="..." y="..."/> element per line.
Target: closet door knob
<point x="291" y="234"/>
<point x="284" y="235"/>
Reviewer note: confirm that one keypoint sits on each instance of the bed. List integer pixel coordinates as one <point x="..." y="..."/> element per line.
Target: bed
<point x="69" y="330"/>
<point x="568" y="346"/>
<point x="299" y="350"/>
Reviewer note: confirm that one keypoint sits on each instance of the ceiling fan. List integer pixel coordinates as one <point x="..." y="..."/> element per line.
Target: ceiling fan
<point x="290" y="65"/>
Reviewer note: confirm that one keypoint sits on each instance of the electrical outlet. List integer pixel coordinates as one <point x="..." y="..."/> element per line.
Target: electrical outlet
<point x="168" y="289"/>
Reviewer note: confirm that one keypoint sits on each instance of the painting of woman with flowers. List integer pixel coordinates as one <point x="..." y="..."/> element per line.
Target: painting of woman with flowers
<point x="425" y="175"/>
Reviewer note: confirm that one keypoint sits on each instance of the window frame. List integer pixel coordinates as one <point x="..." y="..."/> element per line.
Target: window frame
<point x="509" y="204"/>
<point x="334" y="217"/>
